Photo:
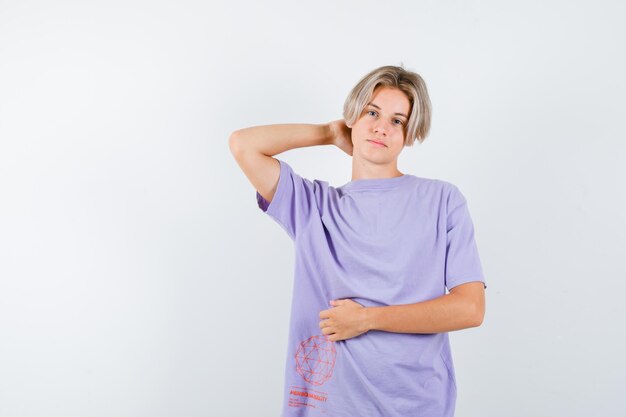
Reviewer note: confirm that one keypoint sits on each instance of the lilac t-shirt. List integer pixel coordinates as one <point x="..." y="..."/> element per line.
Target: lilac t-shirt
<point x="383" y="241"/>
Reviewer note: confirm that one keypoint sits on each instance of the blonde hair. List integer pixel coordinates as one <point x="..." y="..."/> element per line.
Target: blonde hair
<point x="410" y="83"/>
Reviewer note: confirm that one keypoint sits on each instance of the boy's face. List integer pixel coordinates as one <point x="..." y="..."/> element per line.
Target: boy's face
<point x="384" y="120"/>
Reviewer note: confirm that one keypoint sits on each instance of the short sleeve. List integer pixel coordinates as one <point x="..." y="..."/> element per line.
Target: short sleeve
<point x="462" y="260"/>
<point x="293" y="203"/>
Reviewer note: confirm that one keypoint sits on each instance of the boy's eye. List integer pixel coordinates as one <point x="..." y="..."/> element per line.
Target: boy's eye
<point x="397" y="120"/>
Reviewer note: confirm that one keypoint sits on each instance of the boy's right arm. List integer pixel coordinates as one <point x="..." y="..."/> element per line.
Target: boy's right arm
<point x="254" y="147"/>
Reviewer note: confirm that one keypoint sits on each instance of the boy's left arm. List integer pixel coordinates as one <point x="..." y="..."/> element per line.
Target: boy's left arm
<point x="462" y="308"/>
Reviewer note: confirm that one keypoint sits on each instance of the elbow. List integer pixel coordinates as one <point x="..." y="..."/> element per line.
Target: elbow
<point x="478" y="315"/>
<point x="478" y="321"/>
<point x="234" y="143"/>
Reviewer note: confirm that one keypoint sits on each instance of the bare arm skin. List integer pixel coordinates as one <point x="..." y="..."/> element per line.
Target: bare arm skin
<point x="462" y="308"/>
<point x="254" y="148"/>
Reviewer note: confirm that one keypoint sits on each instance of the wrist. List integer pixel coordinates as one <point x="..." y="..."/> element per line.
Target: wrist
<point x="369" y="318"/>
<point x="330" y="134"/>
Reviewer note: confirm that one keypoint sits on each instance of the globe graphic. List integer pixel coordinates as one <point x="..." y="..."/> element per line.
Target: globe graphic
<point x="315" y="359"/>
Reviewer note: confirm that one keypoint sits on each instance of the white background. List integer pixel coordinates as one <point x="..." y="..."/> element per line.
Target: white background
<point x="139" y="278"/>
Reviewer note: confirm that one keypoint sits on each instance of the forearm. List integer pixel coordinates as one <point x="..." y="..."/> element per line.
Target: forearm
<point x="273" y="139"/>
<point x="443" y="314"/>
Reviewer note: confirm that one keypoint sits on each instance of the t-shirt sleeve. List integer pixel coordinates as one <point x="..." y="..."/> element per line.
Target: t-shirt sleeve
<point x="462" y="259"/>
<point x="293" y="202"/>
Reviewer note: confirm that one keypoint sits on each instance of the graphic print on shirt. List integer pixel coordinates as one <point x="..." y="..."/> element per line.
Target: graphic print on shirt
<point x="388" y="241"/>
<point x="314" y="361"/>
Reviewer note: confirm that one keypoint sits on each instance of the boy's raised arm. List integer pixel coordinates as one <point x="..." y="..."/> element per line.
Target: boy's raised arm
<point x="254" y="148"/>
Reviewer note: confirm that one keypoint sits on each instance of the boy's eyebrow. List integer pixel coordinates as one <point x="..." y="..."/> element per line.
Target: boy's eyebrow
<point x="374" y="105"/>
